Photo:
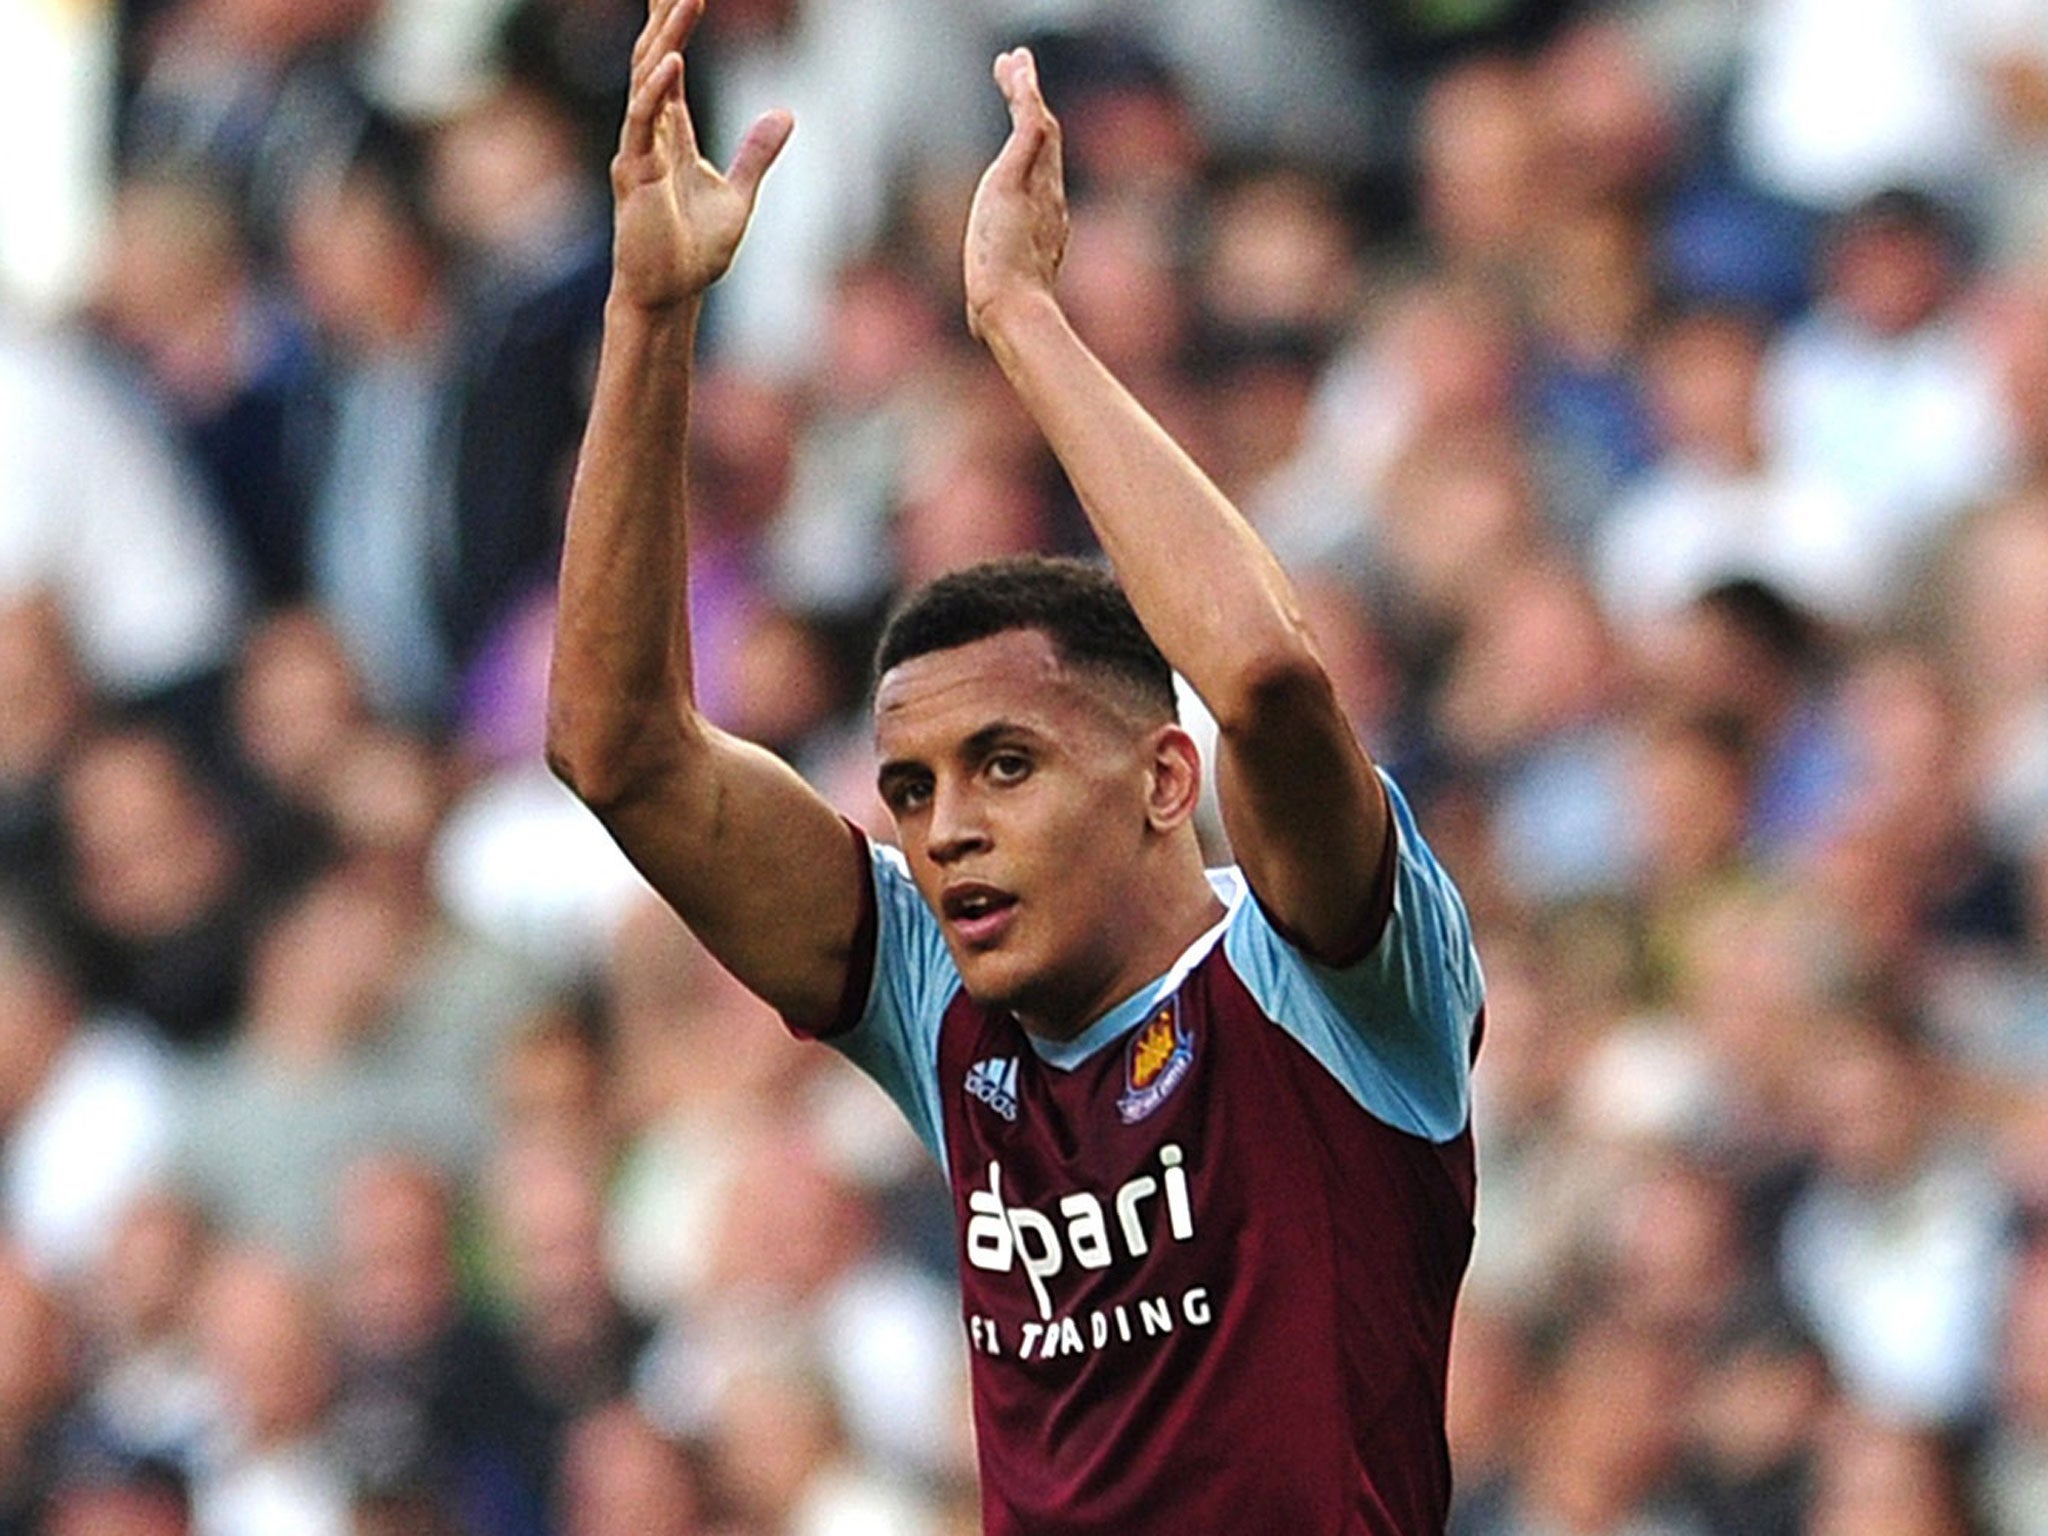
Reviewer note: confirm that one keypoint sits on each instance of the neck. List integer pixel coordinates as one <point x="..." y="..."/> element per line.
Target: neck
<point x="1177" y="908"/>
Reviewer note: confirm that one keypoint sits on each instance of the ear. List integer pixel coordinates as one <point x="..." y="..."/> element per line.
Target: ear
<point x="1174" y="779"/>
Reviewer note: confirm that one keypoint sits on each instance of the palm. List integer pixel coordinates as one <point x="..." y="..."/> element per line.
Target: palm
<point x="678" y="224"/>
<point x="679" y="219"/>
<point x="1017" y="226"/>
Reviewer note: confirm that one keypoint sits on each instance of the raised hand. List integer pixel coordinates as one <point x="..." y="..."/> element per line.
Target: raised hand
<point x="678" y="218"/>
<point x="1017" y="228"/>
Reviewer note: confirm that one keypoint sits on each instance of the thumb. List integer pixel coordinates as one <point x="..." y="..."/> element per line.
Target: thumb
<point x="758" y="151"/>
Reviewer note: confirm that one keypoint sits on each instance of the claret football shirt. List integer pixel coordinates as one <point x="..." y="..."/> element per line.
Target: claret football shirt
<point x="1209" y="1249"/>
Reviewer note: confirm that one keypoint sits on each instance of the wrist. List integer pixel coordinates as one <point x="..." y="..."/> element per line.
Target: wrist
<point x="1011" y="317"/>
<point x="622" y="308"/>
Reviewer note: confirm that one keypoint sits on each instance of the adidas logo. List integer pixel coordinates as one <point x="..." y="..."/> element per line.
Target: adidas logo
<point x="994" y="1082"/>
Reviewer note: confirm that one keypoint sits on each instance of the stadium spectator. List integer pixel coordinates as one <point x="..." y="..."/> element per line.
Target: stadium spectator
<point x="1604" y="1457"/>
<point x="85" y="1108"/>
<point x="102" y="517"/>
<point x="619" y="1474"/>
<point x="121" y="1499"/>
<point x="1995" y="614"/>
<point x="44" y="706"/>
<point x="1886" y="1479"/>
<point x="1712" y="506"/>
<point x="574" y="1344"/>
<point x="1887" y="391"/>
<point x="2012" y="1474"/>
<point x="429" y="1403"/>
<point x="227" y="357"/>
<point x="372" y="267"/>
<point x="1899" y="1222"/>
<point x="162" y="889"/>
<point x="271" y="1466"/>
<point x="33" y="1384"/>
<point x="146" y="1397"/>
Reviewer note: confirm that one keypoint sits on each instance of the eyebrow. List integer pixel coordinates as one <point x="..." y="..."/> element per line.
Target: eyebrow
<point x="994" y="735"/>
<point x="894" y="772"/>
<point x="979" y="744"/>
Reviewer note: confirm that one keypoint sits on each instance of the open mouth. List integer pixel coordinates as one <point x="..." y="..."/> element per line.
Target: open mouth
<point x="978" y="913"/>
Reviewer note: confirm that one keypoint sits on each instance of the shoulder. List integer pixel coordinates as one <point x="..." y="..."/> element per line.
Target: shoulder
<point x="900" y="981"/>
<point x="1398" y="1024"/>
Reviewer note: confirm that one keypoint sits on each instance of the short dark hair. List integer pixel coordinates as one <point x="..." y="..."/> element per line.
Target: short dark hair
<point x="1078" y="606"/>
<point x="1763" y="614"/>
<point x="1912" y="210"/>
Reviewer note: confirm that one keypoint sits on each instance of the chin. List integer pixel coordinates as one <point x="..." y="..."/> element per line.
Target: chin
<point x="991" y="983"/>
<point x="998" y="980"/>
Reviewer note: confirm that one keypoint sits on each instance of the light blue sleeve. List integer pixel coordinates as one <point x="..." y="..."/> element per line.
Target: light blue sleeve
<point x="1396" y="1027"/>
<point x="896" y="1040"/>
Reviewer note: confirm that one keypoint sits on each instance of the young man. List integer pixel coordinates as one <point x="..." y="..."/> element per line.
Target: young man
<point x="1206" y="1134"/>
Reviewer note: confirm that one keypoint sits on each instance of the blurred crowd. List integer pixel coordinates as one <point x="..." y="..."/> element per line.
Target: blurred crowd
<point x="1651" y="400"/>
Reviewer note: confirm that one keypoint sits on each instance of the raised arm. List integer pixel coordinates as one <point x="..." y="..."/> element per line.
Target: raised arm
<point x="752" y="859"/>
<point x="1306" y="816"/>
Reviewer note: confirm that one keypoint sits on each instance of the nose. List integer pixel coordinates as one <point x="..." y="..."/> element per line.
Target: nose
<point x="956" y="828"/>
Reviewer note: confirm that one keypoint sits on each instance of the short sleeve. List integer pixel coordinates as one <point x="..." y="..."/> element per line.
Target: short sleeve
<point x="892" y="1033"/>
<point x="1397" y="1027"/>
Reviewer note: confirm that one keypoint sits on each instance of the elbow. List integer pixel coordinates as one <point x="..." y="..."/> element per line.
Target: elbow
<point x="581" y="762"/>
<point x="577" y="766"/>
<point x="606" y="758"/>
<point x="1283" y="679"/>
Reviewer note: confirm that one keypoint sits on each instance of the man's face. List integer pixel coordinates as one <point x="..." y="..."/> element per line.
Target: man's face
<point x="1020" y="792"/>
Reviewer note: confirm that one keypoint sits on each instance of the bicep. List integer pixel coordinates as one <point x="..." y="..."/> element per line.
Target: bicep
<point x="1307" y="819"/>
<point x="759" y="866"/>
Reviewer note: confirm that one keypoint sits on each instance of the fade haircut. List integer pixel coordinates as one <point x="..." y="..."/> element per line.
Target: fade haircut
<point x="1078" y="606"/>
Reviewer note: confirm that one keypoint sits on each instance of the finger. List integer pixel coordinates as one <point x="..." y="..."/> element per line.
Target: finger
<point x="758" y="150"/>
<point x="664" y="42"/>
<point x="1032" y="125"/>
<point x="692" y="13"/>
<point x="1050" y="162"/>
<point x="647" y="46"/>
<point x="668" y="32"/>
<point x="662" y="85"/>
<point x="1017" y="75"/>
<point x="1012" y="167"/>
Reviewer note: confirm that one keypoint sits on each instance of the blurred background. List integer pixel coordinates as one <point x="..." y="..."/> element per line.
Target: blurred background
<point x="1652" y="402"/>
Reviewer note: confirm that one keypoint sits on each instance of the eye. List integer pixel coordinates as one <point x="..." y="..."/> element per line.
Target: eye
<point x="904" y="796"/>
<point x="1008" y="767"/>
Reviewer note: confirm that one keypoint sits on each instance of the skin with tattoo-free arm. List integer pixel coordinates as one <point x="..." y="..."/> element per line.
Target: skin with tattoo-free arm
<point x="1307" y="818"/>
<point x="754" y="861"/>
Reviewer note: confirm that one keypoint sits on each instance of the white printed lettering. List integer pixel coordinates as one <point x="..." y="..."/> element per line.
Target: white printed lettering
<point x="1141" y="1188"/>
<point x="1002" y="1237"/>
<point x="988" y="1233"/>
<point x="1042" y="1266"/>
<point x="1087" y="1233"/>
<point x="1056" y="1338"/>
<point x="1179" y="1212"/>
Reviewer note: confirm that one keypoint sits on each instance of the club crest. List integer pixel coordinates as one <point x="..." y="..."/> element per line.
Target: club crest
<point x="1155" y="1061"/>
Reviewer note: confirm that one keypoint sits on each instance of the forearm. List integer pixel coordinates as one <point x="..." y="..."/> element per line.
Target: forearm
<point x="1204" y="584"/>
<point x="746" y="853"/>
<point x="620" y="689"/>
